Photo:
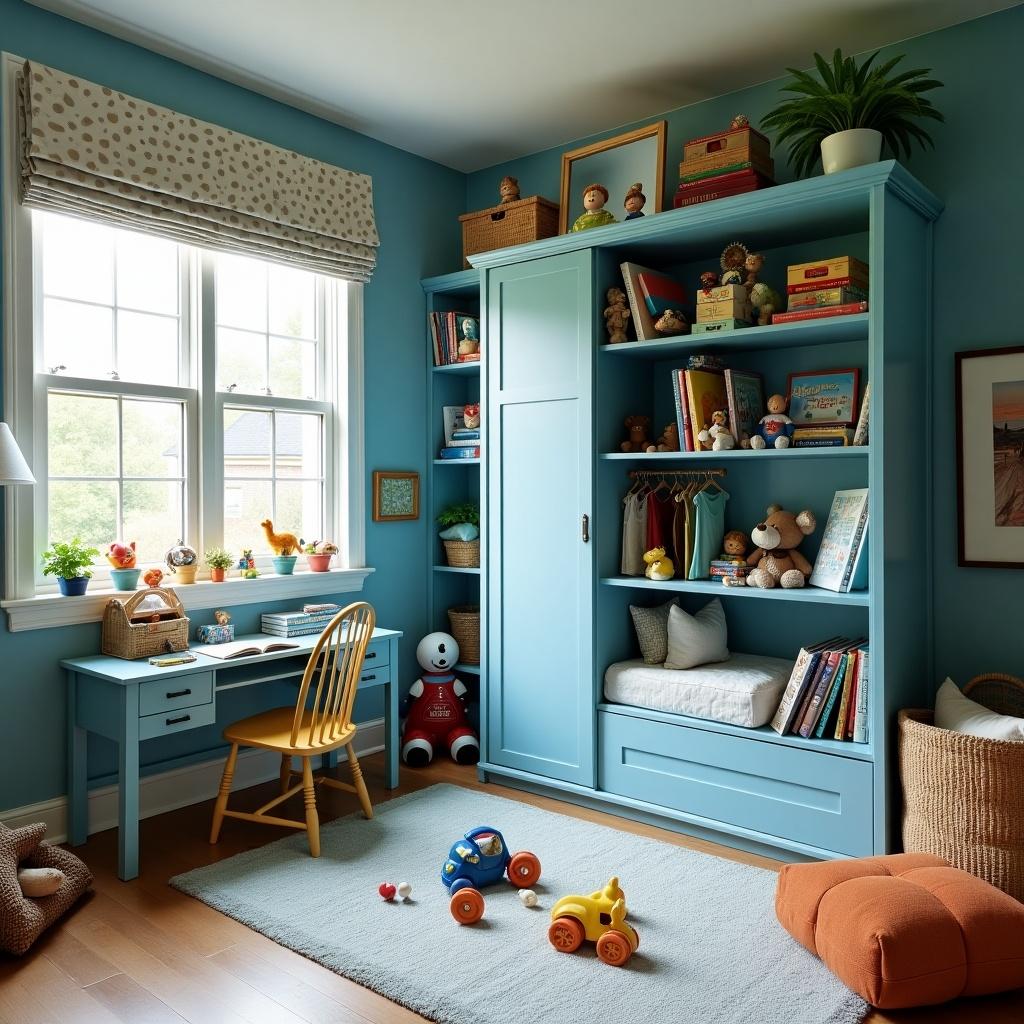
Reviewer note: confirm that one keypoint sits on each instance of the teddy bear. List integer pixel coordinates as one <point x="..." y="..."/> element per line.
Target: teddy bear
<point x="637" y="427"/>
<point x="734" y="546"/>
<point x="718" y="434"/>
<point x="775" y="561"/>
<point x="668" y="442"/>
<point x="616" y="316"/>
<point x="659" y="565"/>
<point x="775" y="427"/>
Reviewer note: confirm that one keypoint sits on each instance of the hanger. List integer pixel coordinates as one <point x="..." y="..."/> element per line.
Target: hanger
<point x="710" y="481"/>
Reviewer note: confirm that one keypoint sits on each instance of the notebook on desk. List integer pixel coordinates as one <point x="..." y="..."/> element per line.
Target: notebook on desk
<point x="243" y="648"/>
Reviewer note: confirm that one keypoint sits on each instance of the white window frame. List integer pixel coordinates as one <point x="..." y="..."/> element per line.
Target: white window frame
<point x="24" y="405"/>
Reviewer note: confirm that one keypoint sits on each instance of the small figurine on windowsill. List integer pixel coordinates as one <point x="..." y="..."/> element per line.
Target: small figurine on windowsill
<point x="634" y="201"/>
<point x="616" y="316"/>
<point x="596" y="216"/>
<point x="509" y="189"/>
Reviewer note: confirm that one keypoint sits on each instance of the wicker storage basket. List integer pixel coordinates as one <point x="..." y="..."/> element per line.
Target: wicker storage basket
<point x="525" y="220"/>
<point x="150" y="622"/>
<point x="465" y="621"/>
<point x="963" y="798"/>
<point x="462" y="554"/>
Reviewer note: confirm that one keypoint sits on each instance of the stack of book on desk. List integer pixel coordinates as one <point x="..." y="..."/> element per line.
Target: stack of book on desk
<point x="313" y="618"/>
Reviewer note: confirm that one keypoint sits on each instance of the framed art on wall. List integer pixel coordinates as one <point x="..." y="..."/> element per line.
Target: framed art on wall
<point x="396" y="496"/>
<point x="990" y="457"/>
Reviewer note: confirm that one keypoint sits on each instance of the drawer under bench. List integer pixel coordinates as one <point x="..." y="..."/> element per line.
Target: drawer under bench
<point x="818" y="799"/>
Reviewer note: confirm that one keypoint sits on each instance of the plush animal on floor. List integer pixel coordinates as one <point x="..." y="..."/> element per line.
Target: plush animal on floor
<point x="718" y="434"/>
<point x="659" y="566"/>
<point x="637" y="427"/>
<point x="280" y="543"/>
<point x="775" y="560"/>
<point x="437" y="717"/>
<point x="775" y="427"/>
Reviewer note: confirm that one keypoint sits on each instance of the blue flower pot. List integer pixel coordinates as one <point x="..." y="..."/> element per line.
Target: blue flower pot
<point x="284" y="565"/>
<point x="125" y="579"/>
<point x="74" y="587"/>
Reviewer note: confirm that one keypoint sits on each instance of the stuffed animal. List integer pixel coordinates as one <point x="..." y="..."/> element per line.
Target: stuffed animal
<point x="734" y="546"/>
<point x="616" y="316"/>
<point x="637" y="427"/>
<point x="775" y="427"/>
<point x="153" y="577"/>
<point x="471" y="415"/>
<point x="668" y="442"/>
<point x="672" y="321"/>
<point x="437" y="716"/>
<point x="763" y="298"/>
<point x="121" y="556"/>
<point x="280" y="543"/>
<point x="775" y="561"/>
<point x="718" y="434"/>
<point x="222" y="618"/>
<point x="659" y="565"/>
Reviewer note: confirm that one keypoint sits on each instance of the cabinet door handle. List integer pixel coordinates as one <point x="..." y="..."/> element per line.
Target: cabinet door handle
<point x="369" y="655"/>
<point x="585" y="528"/>
<point x="367" y="679"/>
<point x="178" y="721"/>
<point x="178" y="693"/>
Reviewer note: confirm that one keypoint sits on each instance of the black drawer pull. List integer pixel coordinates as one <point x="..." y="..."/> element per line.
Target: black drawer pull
<point x="367" y="679"/>
<point x="370" y="654"/>
<point x="178" y="693"/>
<point x="178" y="721"/>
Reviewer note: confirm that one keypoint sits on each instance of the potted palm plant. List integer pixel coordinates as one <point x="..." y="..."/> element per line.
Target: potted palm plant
<point x="846" y="112"/>
<point x="71" y="563"/>
<point x="218" y="561"/>
<point x="461" y="534"/>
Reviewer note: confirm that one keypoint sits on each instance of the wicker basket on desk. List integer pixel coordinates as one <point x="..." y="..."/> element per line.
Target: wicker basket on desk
<point x="963" y="796"/>
<point x="150" y="622"/>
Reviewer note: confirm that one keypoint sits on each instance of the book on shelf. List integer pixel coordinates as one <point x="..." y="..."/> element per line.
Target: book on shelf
<point x="863" y="702"/>
<point x="711" y="190"/>
<point x="849" y="689"/>
<point x="455" y="453"/>
<point x="643" y="322"/>
<point x="705" y="392"/>
<point x="456" y="433"/>
<point x="835" y="282"/>
<point x="821" y="437"/>
<point x="661" y="292"/>
<point x="833" y="703"/>
<point x="819" y="298"/>
<point x="822" y="689"/>
<point x="860" y="434"/>
<point x="841" y="564"/>
<point x="447" y="330"/>
<point x="314" y="629"/>
<point x="309" y="613"/>
<point x="847" y="309"/>
<point x="818" y="271"/>
<point x="243" y="648"/>
<point x="740" y="172"/>
<point x="804" y="669"/>
<point x="682" y="411"/>
<point x="745" y="394"/>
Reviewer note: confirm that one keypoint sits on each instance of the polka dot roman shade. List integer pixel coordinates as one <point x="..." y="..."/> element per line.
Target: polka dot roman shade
<point x="91" y="151"/>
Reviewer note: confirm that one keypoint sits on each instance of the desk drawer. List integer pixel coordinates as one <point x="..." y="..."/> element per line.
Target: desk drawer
<point x="378" y="652"/>
<point x="178" y="720"/>
<point x="817" y="799"/>
<point x="159" y="695"/>
<point x="375" y="675"/>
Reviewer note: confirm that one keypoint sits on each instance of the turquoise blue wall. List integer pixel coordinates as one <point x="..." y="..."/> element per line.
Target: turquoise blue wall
<point x="974" y="168"/>
<point x="417" y="203"/>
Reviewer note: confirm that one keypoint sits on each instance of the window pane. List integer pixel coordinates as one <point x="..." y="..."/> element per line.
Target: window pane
<point x="241" y="360"/>
<point x="152" y="517"/>
<point x="246" y="504"/>
<point x="241" y="293"/>
<point x="82" y="439"/>
<point x="293" y="368"/>
<point x="247" y="444"/>
<point x="147" y="273"/>
<point x="80" y="338"/>
<point x="78" y="259"/>
<point x="152" y="438"/>
<point x="147" y="348"/>
<point x="299" y="509"/>
<point x="292" y="302"/>
<point x="87" y="511"/>
<point x="298" y="445"/>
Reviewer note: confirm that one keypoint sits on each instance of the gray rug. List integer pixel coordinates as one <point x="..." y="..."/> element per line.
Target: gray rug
<point x="711" y="951"/>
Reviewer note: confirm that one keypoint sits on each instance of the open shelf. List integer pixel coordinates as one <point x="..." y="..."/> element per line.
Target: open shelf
<point x="848" y="452"/>
<point x="807" y="595"/>
<point x="456" y="462"/>
<point x="467" y="570"/>
<point x="459" y="369"/>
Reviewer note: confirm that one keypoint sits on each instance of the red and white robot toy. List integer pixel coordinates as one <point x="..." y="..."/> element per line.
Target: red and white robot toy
<point x="437" y="717"/>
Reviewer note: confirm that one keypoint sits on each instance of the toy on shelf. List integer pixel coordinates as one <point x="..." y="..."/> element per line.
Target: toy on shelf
<point x="471" y="415"/>
<point x="469" y="342"/>
<point x="121" y="556"/>
<point x="480" y="859"/>
<point x="762" y="298"/>
<point x="739" y="121"/>
<point x="596" y="216"/>
<point x="635" y="201"/>
<point x="659" y="566"/>
<point x="616" y="316"/>
<point x="775" y="561"/>
<point x="710" y="279"/>
<point x="222" y="632"/>
<point x="637" y="428"/>
<point x="437" y="716"/>
<point x="672" y="321"/>
<point x="600" y="918"/>
<point x="668" y="442"/>
<point x="509" y="189"/>
<point x="182" y="560"/>
<point x="718" y="434"/>
<point x="733" y="261"/>
<point x="527" y="897"/>
<point x="734" y="546"/>
<point x="775" y="427"/>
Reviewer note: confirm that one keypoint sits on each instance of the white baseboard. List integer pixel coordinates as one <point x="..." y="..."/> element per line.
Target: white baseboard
<point x="167" y="791"/>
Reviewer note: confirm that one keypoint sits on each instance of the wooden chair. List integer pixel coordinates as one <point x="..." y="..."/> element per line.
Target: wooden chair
<point x="308" y="731"/>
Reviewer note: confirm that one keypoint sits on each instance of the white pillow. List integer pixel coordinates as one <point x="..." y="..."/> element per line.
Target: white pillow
<point x="961" y="714"/>
<point x="696" y="639"/>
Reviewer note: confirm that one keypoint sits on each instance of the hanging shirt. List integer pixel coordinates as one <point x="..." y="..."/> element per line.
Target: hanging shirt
<point x="681" y="513"/>
<point x="634" y="534"/>
<point x="708" y="532"/>
<point x="659" y="523"/>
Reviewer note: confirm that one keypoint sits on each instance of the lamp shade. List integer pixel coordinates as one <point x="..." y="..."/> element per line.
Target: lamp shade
<point x="13" y="467"/>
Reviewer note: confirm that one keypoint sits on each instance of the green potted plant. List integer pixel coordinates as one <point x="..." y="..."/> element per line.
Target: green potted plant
<point x="218" y="561"/>
<point x="847" y="111"/>
<point x="71" y="563"/>
<point x="461" y="534"/>
<point x="319" y="554"/>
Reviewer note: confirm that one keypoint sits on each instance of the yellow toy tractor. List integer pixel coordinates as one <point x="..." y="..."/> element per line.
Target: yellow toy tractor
<point x="599" y="917"/>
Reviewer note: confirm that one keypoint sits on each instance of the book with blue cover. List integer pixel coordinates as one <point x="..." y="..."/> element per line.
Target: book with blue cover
<point x="661" y="292"/>
<point x="841" y="563"/>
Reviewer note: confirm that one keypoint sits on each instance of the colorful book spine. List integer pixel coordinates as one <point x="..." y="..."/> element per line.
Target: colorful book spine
<point x="683" y="199"/>
<point x="844" y="701"/>
<point x="682" y="412"/>
<point x="835" y="282"/>
<point x="814" y="707"/>
<point x="840" y="295"/>
<point x="452" y="453"/>
<point x="860" y="435"/>
<point x="833" y="695"/>
<point x="738" y="171"/>
<point x="820" y="314"/>
<point x="860" y="721"/>
<point x="804" y="669"/>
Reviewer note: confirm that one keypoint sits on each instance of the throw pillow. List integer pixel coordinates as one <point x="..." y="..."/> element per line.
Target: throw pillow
<point x="36" y="882"/>
<point x="958" y="713"/>
<point x="651" y="625"/>
<point x="697" y="639"/>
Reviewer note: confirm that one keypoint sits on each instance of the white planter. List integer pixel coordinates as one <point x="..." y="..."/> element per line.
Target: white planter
<point x="852" y="148"/>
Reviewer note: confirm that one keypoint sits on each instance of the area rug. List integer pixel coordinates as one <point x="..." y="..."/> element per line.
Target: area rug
<point x="711" y="950"/>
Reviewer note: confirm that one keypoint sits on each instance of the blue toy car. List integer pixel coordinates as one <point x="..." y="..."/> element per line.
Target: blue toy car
<point x="480" y="858"/>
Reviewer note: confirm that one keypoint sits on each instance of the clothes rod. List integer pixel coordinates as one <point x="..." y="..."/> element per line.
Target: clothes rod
<point x="638" y="474"/>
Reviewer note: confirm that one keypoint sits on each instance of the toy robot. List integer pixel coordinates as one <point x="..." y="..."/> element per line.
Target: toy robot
<point x="438" y="715"/>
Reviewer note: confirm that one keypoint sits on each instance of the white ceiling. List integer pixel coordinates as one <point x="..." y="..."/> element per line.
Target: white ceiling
<point x="470" y="83"/>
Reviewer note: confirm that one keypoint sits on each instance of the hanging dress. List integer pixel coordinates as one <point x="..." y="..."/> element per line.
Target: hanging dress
<point x="708" y="532"/>
<point x="659" y="522"/>
<point x="634" y="534"/>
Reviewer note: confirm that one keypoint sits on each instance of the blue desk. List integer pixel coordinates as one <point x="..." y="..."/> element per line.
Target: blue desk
<point x="131" y="701"/>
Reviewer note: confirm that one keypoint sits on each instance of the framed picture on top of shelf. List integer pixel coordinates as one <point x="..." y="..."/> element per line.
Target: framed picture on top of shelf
<point x="396" y="496"/>
<point x="990" y="457"/>
<point x="824" y="398"/>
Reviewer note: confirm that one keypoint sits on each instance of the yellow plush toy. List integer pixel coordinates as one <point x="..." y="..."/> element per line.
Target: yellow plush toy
<point x="659" y="565"/>
<point x="280" y="543"/>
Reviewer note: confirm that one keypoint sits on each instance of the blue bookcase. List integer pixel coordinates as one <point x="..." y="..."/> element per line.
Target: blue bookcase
<point x="553" y="479"/>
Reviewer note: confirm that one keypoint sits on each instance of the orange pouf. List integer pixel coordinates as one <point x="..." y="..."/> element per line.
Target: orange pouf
<point x="906" y="930"/>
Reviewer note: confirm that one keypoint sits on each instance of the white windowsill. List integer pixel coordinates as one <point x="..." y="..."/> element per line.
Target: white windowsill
<point x="48" y="610"/>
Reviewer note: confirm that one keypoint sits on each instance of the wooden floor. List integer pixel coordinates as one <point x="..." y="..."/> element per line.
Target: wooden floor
<point x="142" y="953"/>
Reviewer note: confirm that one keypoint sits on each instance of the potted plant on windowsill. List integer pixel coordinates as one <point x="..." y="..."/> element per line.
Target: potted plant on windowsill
<point x="846" y="112"/>
<point x="71" y="563"/>
<point x="319" y="554"/>
<point x="461" y="535"/>
<point x="218" y="561"/>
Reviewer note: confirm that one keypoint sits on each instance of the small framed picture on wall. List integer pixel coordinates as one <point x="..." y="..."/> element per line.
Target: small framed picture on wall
<point x="396" y="496"/>
<point x="990" y="457"/>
